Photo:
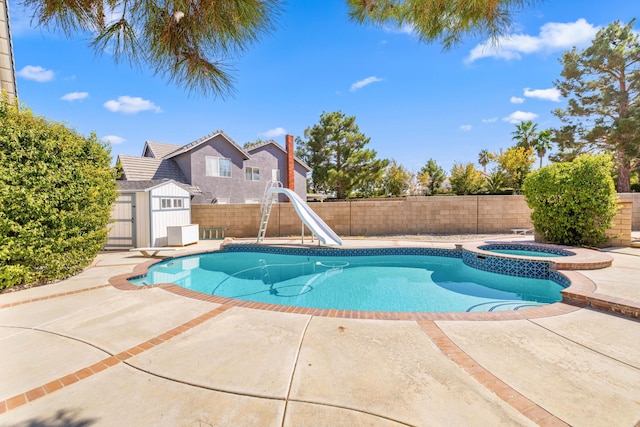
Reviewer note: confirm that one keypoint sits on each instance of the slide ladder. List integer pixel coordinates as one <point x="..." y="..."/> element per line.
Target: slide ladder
<point x="267" y="204"/>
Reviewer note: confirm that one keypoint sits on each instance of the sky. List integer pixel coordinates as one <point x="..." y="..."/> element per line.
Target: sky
<point x="412" y="99"/>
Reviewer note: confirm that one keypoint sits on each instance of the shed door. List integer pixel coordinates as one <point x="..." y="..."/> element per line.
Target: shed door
<point x="123" y="214"/>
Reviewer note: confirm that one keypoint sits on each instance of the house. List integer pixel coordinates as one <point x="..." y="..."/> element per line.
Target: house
<point x="217" y="170"/>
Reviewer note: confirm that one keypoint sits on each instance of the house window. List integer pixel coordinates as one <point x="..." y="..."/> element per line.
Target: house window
<point x="275" y="174"/>
<point x="223" y="200"/>
<point x="251" y="174"/>
<point x="218" y="166"/>
<point x="253" y="201"/>
<point x="170" y="203"/>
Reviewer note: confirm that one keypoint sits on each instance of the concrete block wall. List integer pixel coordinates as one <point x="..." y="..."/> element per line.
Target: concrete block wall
<point x="634" y="198"/>
<point x="411" y="216"/>
<point x="620" y="233"/>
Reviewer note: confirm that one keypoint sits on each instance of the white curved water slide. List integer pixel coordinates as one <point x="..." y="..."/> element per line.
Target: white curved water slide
<point x="309" y="218"/>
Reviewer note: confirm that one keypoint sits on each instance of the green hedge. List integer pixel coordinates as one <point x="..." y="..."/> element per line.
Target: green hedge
<point x="56" y="192"/>
<point x="573" y="203"/>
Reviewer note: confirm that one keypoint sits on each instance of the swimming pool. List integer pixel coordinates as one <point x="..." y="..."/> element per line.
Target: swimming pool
<point x="418" y="280"/>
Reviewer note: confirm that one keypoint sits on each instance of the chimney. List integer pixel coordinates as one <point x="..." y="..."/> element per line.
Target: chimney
<point x="290" y="164"/>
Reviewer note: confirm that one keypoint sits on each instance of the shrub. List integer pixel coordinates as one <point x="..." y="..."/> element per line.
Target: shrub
<point x="573" y="203"/>
<point x="56" y="192"/>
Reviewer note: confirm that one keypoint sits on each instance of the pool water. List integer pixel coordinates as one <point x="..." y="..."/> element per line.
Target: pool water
<point x="525" y="253"/>
<point x="395" y="283"/>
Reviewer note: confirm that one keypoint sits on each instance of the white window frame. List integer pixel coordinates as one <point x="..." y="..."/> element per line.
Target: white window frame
<point x="254" y="173"/>
<point x="168" y="203"/>
<point x="223" y="200"/>
<point x="275" y="174"/>
<point x="253" y="201"/>
<point x="214" y="165"/>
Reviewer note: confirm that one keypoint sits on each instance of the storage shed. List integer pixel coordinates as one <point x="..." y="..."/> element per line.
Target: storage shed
<point x="144" y="210"/>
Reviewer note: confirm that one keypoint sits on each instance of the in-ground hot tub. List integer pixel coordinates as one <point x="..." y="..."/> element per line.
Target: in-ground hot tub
<point x="528" y="250"/>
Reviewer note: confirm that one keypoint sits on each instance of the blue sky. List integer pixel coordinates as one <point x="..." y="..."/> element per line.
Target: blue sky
<point x="412" y="99"/>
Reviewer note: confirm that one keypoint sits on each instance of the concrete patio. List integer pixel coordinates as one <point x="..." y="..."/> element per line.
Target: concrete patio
<point x="83" y="353"/>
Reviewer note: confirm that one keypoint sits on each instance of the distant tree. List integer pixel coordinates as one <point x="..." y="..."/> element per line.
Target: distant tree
<point x="57" y="188"/>
<point x="496" y="182"/>
<point x="335" y="150"/>
<point x="250" y="144"/>
<point x="446" y="21"/>
<point x="396" y="180"/>
<point x="602" y="84"/>
<point x="484" y="158"/>
<point x="525" y="134"/>
<point x="542" y="144"/>
<point x="431" y="176"/>
<point x="465" y="179"/>
<point x="515" y="163"/>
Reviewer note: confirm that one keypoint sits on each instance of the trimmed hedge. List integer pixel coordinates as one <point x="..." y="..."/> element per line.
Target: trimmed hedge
<point x="573" y="203"/>
<point x="56" y="192"/>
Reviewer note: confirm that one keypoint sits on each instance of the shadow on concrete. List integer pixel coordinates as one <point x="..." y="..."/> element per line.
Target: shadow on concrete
<point x="62" y="418"/>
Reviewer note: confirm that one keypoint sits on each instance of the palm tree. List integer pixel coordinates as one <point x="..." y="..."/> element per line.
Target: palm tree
<point x="484" y="158"/>
<point x="525" y="134"/>
<point x="542" y="144"/>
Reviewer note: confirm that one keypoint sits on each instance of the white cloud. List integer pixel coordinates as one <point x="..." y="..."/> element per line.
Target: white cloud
<point x="74" y="96"/>
<point x="273" y="133"/>
<point x="131" y="105"/>
<point x="404" y="29"/>
<point x="113" y="139"/>
<point x="516" y="100"/>
<point x="36" y="73"/>
<point x="364" y="82"/>
<point x="551" y="94"/>
<point x="491" y="120"/>
<point x="519" y="116"/>
<point x="553" y="36"/>
<point x="466" y="128"/>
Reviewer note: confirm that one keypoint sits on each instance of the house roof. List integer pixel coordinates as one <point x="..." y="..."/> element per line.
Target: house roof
<point x="256" y="147"/>
<point x="158" y="149"/>
<point x="200" y="141"/>
<point x="149" y="168"/>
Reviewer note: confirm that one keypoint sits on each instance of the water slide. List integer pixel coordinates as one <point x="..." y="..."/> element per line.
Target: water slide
<point x="309" y="218"/>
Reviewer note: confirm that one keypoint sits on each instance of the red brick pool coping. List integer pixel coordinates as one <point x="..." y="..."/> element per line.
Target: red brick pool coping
<point x="580" y="294"/>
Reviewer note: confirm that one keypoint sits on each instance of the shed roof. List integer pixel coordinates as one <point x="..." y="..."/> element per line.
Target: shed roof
<point x="150" y="184"/>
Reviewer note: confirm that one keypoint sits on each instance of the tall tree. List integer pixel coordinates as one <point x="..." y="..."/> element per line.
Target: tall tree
<point x="525" y="134"/>
<point x="431" y="176"/>
<point x="396" y="180"/>
<point x="444" y="21"/>
<point x="602" y="83"/>
<point x="465" y="179"/>
<point x="542" y="144"/>
<point x="335" y="150"/>
<point x="484" y="158"/>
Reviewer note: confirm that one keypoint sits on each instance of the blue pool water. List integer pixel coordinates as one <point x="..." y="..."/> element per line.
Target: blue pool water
<point x="397" y="283"/>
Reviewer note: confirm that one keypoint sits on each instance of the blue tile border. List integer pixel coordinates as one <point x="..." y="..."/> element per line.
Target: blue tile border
<point x="527" y="247"/>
